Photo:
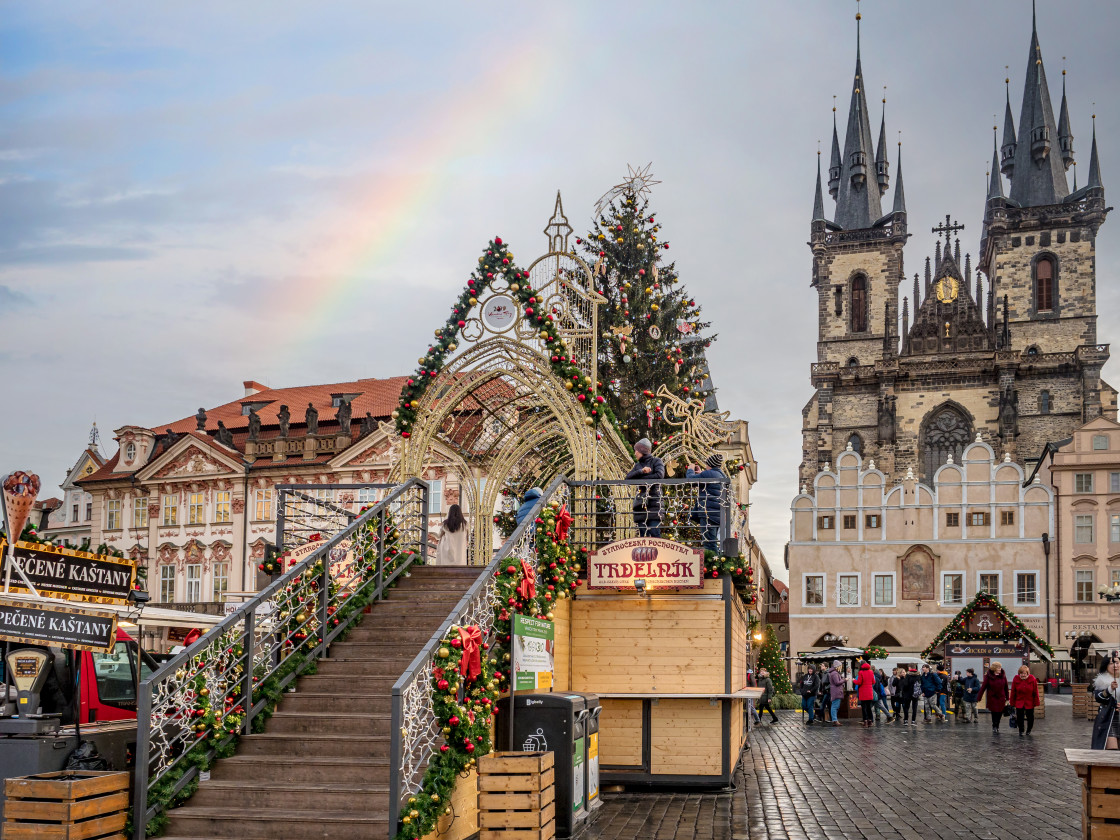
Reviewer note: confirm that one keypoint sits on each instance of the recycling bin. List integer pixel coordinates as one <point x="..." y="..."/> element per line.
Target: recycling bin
<point x="591" y="775"/>
<point x="557" y="723"/>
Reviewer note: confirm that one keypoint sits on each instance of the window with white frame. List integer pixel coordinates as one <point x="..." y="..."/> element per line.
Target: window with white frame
<point x="75" y="519"/>
<point x="89" y="511"/>
<point x="194" y="583"/>
<point x="952" y="588"/>
<point x="989" y="583"/>
<point x="112" y="514"/>
<point x="1114" y="577"/>
<point x="1114" y="482"/>
<point x="1083" y="528"/>
<point x="221" y="580"/>
<point x="1100" y="442"/>
<point x="130" y="451"/>
<point x="262" y="505"/>
<point x="848" y="591"/>
<point x="1082" y="482"/>
<point x="814" y="590"/>
<point x="1114" y="527"/>
<point x="367" y="495"/>
<point x="1083" y="586"/>
<point x="435" y="496"/>
<point x="884" y="590"/>
<point x="196" y="510"/>
<point x="171" y="509"/>
<point x="1026" y="589"/>
<point x="222" y="505"/>
<point x="140" y="512"/>
<point x="167" y="584"/>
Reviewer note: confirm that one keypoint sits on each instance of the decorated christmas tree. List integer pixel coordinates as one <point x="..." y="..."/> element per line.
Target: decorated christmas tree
<point x="770" y="658"/>
<point x="650" y="332"/>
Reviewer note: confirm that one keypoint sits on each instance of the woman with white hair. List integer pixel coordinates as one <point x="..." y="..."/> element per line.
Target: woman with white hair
<point x="835" y="690"/>
<point x="996" y="687"/>
<point x="1106" y="728"/>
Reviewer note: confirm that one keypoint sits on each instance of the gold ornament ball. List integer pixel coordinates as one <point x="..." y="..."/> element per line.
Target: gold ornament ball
<point x="505" y="658"/>
<point x="649" y="290"/>
<point x="589" y="421"/>
<point x="568" y="385"/>
<point x="444" y="653"/>
<point x="452" y="346"/>
<point x="414" y="814"/>
<point x="447" y="730"/>
<point x="421" y="360"/>
<point x="412" y="800"/>
<point x="654" y="307"/>
<point x="396" y="414"/>
<point x="473" y="301"/>
<point x="414" y="403"/>
<point x="301" y="617"/>
<point x="514" y="287"/>
<point x="447" y="810"/>
<point x="435" y="797"/>
<point x="405" y="819"/>
<point x="549" y="616"/>
<point x="641" y="247"/>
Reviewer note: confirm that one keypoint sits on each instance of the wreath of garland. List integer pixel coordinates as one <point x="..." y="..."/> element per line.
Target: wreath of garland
<point x="496" y="261"/>
<point x="1011" y="627"/>
<point x="875" y="652"/>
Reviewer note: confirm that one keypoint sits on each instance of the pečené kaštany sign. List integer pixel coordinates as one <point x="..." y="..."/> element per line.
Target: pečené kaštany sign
<point x="74" y="575"/>
<point x="31" y="622"/>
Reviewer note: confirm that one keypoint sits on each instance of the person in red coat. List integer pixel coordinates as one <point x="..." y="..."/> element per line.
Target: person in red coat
<point x="1024" y="697"/>
<point x="865" y="684"/>
<point x="995" y="686"/>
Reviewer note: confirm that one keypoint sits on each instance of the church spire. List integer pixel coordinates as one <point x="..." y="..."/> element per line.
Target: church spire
<point x="995" y="185"/>
<point x="1065" y="134"/>
<point x="899" y="192"/>
<point x="834" y="167"/>
<point x="1094" y="162"/>
<point x="1038" y="177"/>
<point x="917" y="297"/>
<point x="1007" y="167"/>
<point x="818" y="199"/>
<point x="859" y="203"/>
<point x="882" y="164"/>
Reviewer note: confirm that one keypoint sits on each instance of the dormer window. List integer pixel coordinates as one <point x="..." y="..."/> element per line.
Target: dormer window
<point x="246" y="407"/>
<point x="130" y="452"/>
<point x="338" y="399"/>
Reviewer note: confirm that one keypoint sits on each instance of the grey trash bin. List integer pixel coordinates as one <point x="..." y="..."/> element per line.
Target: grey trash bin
<point x="591" y="763"/>
<point x="557" y="723"/>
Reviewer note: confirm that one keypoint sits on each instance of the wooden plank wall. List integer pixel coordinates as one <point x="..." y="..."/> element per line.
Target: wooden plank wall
<point x="620" y="733"/>
<point x="738" y="631"/>
<point x="463" y="820"/>
<point x="562" y="627"/>
<point x="634" y="644"/>
<point x="687" y="738"/>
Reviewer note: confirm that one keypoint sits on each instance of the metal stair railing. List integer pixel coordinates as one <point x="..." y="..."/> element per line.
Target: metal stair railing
<point x="248" y="659"/>
<point x="415" y="731"/>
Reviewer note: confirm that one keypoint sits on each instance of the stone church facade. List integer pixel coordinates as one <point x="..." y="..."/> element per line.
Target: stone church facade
<point x="910" y="373"/>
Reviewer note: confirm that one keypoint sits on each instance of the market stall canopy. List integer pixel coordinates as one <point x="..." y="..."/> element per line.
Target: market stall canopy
<point x="831" y="653"/>
<point x="985" y="619"/>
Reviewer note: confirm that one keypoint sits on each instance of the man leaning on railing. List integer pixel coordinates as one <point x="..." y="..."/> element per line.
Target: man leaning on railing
<point x="647" y="502"/>
<point x="708" y="501"/>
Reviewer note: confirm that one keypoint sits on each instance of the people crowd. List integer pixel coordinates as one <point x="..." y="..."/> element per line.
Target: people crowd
<point x="898" y="696"/>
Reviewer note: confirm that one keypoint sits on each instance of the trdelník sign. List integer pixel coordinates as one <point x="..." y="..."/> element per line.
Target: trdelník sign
<point x="661" y="564"/>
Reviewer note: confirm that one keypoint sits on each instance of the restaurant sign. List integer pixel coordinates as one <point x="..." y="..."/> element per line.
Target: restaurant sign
<point x="33" y="622"/>
<point x="660" y="564"/>
<point x="74" y="575"/>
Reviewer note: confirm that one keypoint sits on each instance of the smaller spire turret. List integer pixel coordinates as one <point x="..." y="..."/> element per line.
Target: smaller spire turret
<point x="1094" y="181"/>
<point x="834" y="167"/>
<point x="995" y="184"/>
<point x="929" y="277"/>
<point x="917" y="297"/>
<point x="882" y="164"/>
<point x="906" y="319"/>
<point x="967" y="266"/>
<point x="818" y="198"/>
<point x="1007" y="150"/>
<point x="1065" y="134"/>
<point x="899" y="192"/>
<point x="979" y="290"/>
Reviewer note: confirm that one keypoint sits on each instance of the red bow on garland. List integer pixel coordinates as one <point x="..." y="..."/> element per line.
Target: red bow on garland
<point x="563" y="523"/>
<point x="470" y="665"/>
<point x="527" y="589"/>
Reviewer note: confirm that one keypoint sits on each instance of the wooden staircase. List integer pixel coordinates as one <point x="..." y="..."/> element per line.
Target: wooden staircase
<point x="321" y="767"/>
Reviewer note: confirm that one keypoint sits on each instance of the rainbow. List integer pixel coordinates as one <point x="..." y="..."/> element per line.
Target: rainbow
<point x="374" y="228"/>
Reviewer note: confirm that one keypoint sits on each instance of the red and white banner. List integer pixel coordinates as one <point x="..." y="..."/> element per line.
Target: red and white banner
<point x="662" y="564"/>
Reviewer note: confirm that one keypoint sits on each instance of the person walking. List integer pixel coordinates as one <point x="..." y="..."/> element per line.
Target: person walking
<point x="943" y="690"/>
<point x="996" y="687"/>
<point x="810" y="684"/>
<point x="894" y="684"/>
<point x="971" y="685"/>
<point x="956" y="690"/>
<point x="931" y="685"/>
<point x="767" y="686"/>
<point x="708" y="499"/>
<point x="865" y="689"/>
<point x="835" y="691"/>
<point x="527" y="503"/>
<point x="453" y="535"/>
<point x="1106" y="728"/>
<point x="882" y="695"/>
<point x="647" y="502"/>
<point x="1024" y="697"/>
<point x="911" y="692"/>
<point x="824" y="696"/>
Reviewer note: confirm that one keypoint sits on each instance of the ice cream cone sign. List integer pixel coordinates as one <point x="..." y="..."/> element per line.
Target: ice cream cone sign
<point x="20" y="492"/>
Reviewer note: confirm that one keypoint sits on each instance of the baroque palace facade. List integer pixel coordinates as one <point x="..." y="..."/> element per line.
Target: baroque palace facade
<point x="979" y="372"/>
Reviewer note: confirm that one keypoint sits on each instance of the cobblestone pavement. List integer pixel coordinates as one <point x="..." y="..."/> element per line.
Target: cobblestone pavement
<point x="939" y="782"/>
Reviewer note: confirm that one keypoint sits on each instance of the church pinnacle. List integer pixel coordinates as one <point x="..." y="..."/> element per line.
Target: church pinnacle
<point x="859" y="199"/>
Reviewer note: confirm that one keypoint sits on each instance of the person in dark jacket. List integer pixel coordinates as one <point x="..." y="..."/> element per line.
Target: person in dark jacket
<point x="894" y="684"/>
<point x="809" y="686"/>
<point x="996" y="687"/>
<point x="824" y="696"/>
<point x="531" y="496"/>
<point x="767" y="686"/>
<point x="931" y="687"/>
<point x="1024" y="697"/>
<point x="911" y="691"/>
<point x="708" y="498"/>
<point x="971" y="686"/>
<point x="647" y="502"/>
<point x="956" y="693"/>
<point x="836" y="685"/>
<point x="1106" y="728"/>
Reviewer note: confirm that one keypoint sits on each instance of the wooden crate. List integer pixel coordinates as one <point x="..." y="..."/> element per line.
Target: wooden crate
<point x="66" y="805"/>
<point x="1099" y="771"/>
<point x="517" y="796"/>
<point x="1083" y="704"/>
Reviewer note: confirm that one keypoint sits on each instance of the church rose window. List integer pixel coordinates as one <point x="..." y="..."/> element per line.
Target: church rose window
<point x="859" y="304"/>
<point x="1044" y="285"/>
<point x="947" y="433"/>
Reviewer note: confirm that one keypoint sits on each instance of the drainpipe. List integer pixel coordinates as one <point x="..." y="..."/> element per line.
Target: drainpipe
<point x="1046" y="551"/>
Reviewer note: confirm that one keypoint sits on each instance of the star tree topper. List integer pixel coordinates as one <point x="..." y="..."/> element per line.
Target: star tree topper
<point x="639" y="181"/>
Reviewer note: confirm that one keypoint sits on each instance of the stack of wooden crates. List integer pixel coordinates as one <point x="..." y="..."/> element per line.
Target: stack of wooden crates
<point x="66" y="805"/>
<point x="516" y="796"/>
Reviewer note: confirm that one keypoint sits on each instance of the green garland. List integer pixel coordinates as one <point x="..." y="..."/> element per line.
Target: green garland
<point x="465" y="712"/>
<point x="875" y="652"/>
<point x="735" y="567"/>
<point x="497" y="261"/>
<point x="1011" y="626"/>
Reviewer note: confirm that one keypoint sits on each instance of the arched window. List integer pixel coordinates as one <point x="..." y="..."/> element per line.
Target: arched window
<point x="859" y="304"/>
<point x="853" y="362"/>
<point x="1032" y="350"/>
<point x="947" y="432"/>
<point x="885" y="639"/>
<point x="1044" y="285"/>
<point x="130" y="451"/>
<point x="1044" y="402"/>
<point x="838" y="301"/>
<point x="856" y="442"/>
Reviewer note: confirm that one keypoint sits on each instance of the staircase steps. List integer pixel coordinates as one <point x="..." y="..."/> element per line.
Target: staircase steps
<point x="321" y="767"/>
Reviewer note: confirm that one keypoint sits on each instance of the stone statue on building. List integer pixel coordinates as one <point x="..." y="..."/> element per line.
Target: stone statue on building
<point x="368" y="424"/>
<point x="225" y="436"/>
<point x="1009" y="412"/>
<point x="888" y="407"/>
<point x="200" y="420"/>
<point x="169" y="438"/>
<point x="254" y="425"/>
<point x="311" y="417"/>
<point x="344" y="417"/>
<point x="285" y="418"/>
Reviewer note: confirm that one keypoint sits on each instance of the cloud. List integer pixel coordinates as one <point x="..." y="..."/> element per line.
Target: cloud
<point x="12" y="300"/>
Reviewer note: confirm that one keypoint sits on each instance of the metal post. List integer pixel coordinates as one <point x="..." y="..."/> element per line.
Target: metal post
<point x="381" y="555"/>
<point x="724" y="512"/>
<point x="324" y="600"/>
<point x="249" y="646"/>
<point x="280" y="520"/>
<point x="396" y="744"/>
<point x="142" y="761"/>
<point x="424" y="523"/>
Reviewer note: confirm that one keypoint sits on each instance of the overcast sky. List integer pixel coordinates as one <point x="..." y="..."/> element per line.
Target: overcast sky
<point x="195" y="194"/>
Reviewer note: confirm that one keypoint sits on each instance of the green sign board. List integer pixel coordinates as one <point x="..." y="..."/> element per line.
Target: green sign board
<point x="533" y="648"/>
